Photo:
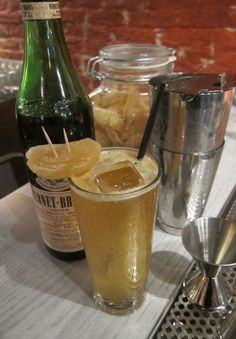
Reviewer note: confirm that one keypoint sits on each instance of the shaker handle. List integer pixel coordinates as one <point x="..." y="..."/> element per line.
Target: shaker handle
<point x="91" y="68"/>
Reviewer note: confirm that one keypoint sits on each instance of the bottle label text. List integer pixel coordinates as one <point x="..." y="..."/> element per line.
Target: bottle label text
<point x="40" y="10"/>
<point x="57" y="219"/>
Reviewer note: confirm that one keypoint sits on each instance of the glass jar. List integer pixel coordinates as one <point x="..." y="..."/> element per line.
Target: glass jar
<point x="121" y="102"/>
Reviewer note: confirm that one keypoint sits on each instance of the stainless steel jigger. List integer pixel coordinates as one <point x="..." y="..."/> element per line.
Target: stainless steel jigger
<point x="212" y="244"/>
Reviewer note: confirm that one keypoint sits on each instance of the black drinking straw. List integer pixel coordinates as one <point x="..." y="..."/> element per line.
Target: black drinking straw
<point x="151" y="120"/>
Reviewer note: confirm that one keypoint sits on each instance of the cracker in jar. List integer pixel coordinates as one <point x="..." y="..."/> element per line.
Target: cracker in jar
<point x="108" y="118"/>
<point x="120" y="116"/>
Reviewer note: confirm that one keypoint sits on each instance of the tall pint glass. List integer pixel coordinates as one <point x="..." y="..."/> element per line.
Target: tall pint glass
<point x="116" y="206"/>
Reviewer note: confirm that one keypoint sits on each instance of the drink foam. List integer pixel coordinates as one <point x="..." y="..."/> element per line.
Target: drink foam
<point x="147" y="169"/>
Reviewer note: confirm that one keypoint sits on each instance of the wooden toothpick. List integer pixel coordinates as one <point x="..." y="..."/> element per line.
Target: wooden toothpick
<point x="49" y="142"/>
<point x="66" y="141"/>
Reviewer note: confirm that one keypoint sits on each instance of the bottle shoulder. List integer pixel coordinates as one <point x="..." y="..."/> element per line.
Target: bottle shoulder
<point x="52" y="105"/>
<point x="49" y="78"/>
<point x="46" y="84"/>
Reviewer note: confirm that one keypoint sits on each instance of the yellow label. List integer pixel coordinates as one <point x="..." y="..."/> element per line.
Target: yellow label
<point x="40" y="10"/>
<point x="57" y="219"/>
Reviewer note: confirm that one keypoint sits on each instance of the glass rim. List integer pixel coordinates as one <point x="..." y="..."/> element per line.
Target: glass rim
<point x="123" y="195"/>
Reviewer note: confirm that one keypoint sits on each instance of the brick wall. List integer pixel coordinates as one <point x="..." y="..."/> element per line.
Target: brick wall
<point x="202" y="31"/>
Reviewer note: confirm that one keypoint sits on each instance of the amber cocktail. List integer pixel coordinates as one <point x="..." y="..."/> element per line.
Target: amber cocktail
<point x="116" y="204"/>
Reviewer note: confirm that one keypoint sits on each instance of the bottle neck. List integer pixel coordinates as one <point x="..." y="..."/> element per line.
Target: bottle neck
<point x="44" y="38"/>
<point x="47" y="64"/>
<point x="44" y="41"/>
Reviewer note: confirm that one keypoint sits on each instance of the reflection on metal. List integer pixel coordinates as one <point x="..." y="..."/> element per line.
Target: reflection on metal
<point x="188" y="139"/>
<point x="227" y="328"/>
<point x="211" y="242"/>
<point x="188" y="321"/>
<point x="185" y="186"/>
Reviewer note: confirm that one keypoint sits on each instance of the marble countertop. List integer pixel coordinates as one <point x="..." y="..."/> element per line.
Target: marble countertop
<point x="42" y="297"/>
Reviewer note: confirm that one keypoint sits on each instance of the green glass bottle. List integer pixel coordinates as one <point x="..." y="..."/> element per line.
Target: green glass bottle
<point x="51" y="96"/>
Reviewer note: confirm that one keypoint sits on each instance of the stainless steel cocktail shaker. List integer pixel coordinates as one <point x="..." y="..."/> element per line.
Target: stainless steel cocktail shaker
<point x="188" y="139"/>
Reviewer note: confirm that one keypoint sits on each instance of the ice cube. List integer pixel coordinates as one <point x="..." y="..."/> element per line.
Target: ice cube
<point x="118" y="177"/>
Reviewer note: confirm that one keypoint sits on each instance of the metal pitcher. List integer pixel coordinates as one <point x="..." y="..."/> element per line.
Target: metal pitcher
<point x="188" y="139"/>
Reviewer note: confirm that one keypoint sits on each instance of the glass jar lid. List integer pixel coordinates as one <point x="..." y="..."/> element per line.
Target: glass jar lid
<point x="131" y="59"/>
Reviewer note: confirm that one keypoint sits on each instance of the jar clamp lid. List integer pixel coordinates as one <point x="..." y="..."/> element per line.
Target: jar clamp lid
<point x="118" y="59"/>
